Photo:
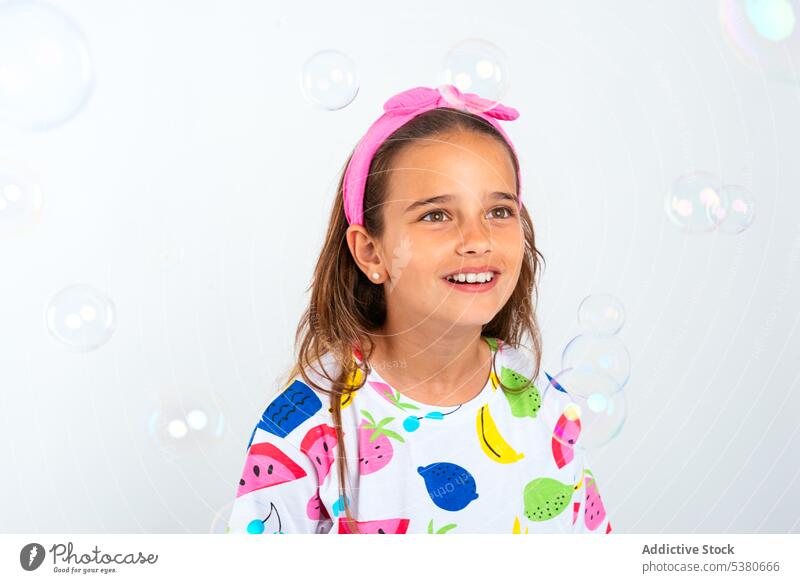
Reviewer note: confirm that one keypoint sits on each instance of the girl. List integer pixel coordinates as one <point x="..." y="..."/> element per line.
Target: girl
<point x="412" y="407"/>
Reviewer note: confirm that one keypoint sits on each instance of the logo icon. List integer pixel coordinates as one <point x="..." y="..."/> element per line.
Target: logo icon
<point x="31" y="556"/>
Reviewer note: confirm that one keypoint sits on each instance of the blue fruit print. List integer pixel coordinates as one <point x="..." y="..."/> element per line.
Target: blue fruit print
<point x="288" y="410"/>
<point x="450" y="486"/>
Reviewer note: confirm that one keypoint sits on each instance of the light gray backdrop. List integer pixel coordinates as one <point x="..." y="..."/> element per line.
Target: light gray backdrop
<point x="195" y="187"/>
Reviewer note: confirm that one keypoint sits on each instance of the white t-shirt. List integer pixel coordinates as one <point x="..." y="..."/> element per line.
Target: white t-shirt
<point x="495" y="464"/>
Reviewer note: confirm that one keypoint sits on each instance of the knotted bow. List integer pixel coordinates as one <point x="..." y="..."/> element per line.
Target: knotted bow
<point x="424" y="98"/>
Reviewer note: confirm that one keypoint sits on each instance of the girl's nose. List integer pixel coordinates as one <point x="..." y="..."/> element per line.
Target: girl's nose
<point x="475" y="237"/>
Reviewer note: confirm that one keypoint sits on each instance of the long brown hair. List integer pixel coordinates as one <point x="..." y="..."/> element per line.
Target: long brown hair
<point x="345" y="306"/>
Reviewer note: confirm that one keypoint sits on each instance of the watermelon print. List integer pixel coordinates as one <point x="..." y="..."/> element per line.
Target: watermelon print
<point x="488" y="465"/>
<point x="267" y="466"/>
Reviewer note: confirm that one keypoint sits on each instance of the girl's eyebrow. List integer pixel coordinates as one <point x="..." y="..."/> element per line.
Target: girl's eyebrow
<point x="447" y="197"/>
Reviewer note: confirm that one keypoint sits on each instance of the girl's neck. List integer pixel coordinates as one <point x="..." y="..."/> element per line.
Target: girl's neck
<point x="442" y="370"/>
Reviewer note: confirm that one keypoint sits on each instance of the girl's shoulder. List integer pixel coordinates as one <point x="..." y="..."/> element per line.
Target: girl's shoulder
<point x="298" y="399"/>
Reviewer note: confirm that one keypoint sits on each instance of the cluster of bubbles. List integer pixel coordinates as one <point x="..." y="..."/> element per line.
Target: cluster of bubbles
<point x="585" y="401"/>
<point x="698" y="202"/>
<point x="46" y="78"/>
<point x="764" y="35"/>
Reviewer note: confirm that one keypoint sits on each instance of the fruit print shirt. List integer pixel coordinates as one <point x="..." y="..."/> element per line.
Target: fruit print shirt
<point x="490" y="465"/>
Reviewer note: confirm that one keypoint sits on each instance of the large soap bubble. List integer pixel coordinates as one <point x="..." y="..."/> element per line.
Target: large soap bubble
<point x="584" y="408"/>
<point x="45" y="68"/>
<point x="764" y="35"/>
<point x="330" y="80"/>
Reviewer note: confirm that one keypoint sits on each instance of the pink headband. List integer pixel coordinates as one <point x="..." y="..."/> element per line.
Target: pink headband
<point x="400" y="109"/>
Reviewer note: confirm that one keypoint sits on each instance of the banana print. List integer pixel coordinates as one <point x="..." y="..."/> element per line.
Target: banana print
<point x="492" y="443"/>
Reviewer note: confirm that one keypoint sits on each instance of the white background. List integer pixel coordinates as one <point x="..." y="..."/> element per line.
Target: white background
<point x="197" y="144"/>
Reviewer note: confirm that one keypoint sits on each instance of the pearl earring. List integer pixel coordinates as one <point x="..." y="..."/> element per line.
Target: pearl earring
<point x="376" y="275"/>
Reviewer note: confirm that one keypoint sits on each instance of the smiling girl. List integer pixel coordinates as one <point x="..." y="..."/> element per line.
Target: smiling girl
<point x="412" y="406"/>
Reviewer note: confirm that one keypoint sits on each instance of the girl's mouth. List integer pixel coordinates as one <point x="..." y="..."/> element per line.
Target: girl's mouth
<point x="472" y="287"/>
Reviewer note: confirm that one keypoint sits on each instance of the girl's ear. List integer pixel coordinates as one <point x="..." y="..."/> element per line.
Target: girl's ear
<point x="364" y="250"/>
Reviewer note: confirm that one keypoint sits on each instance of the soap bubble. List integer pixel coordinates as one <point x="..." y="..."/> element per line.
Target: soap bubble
<point x="330" y="80"/>
<point x="696" y="202"/>
<point x="764" y="35"/>
<point x="184" y="422"/>
<point x="45" y="68"/>
<point x="81" y="317"/>
<point x="592" y="398"/>
<point x="601" y="315"/>
<point x="20" y="200"/>
<point x="477" y="66"/>
<point x="605" y="354"/>
<point x="740" y="212"/>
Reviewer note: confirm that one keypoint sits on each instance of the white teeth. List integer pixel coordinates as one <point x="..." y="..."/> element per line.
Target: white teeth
<point x="471" y="277"/>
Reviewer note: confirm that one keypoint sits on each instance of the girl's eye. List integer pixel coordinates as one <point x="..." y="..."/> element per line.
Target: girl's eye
<point x="436" y="212"/>
<point x="504" y="208"/>
<point x="499" y="208"/>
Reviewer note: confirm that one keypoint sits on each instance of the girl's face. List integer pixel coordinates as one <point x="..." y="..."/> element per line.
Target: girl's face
<point x="451" y="208"/>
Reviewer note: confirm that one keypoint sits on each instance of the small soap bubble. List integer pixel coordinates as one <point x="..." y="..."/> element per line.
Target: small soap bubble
<point x="45" y="68"/>
<point x="330" y="80"/>
<point x="20" y="199"/>
<point x="80" y="317"/>
<point x="477" y="66"/>
<point x="695" y="202"/>
<point x="601" y="314"/>
<point x="183" y="422"/>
